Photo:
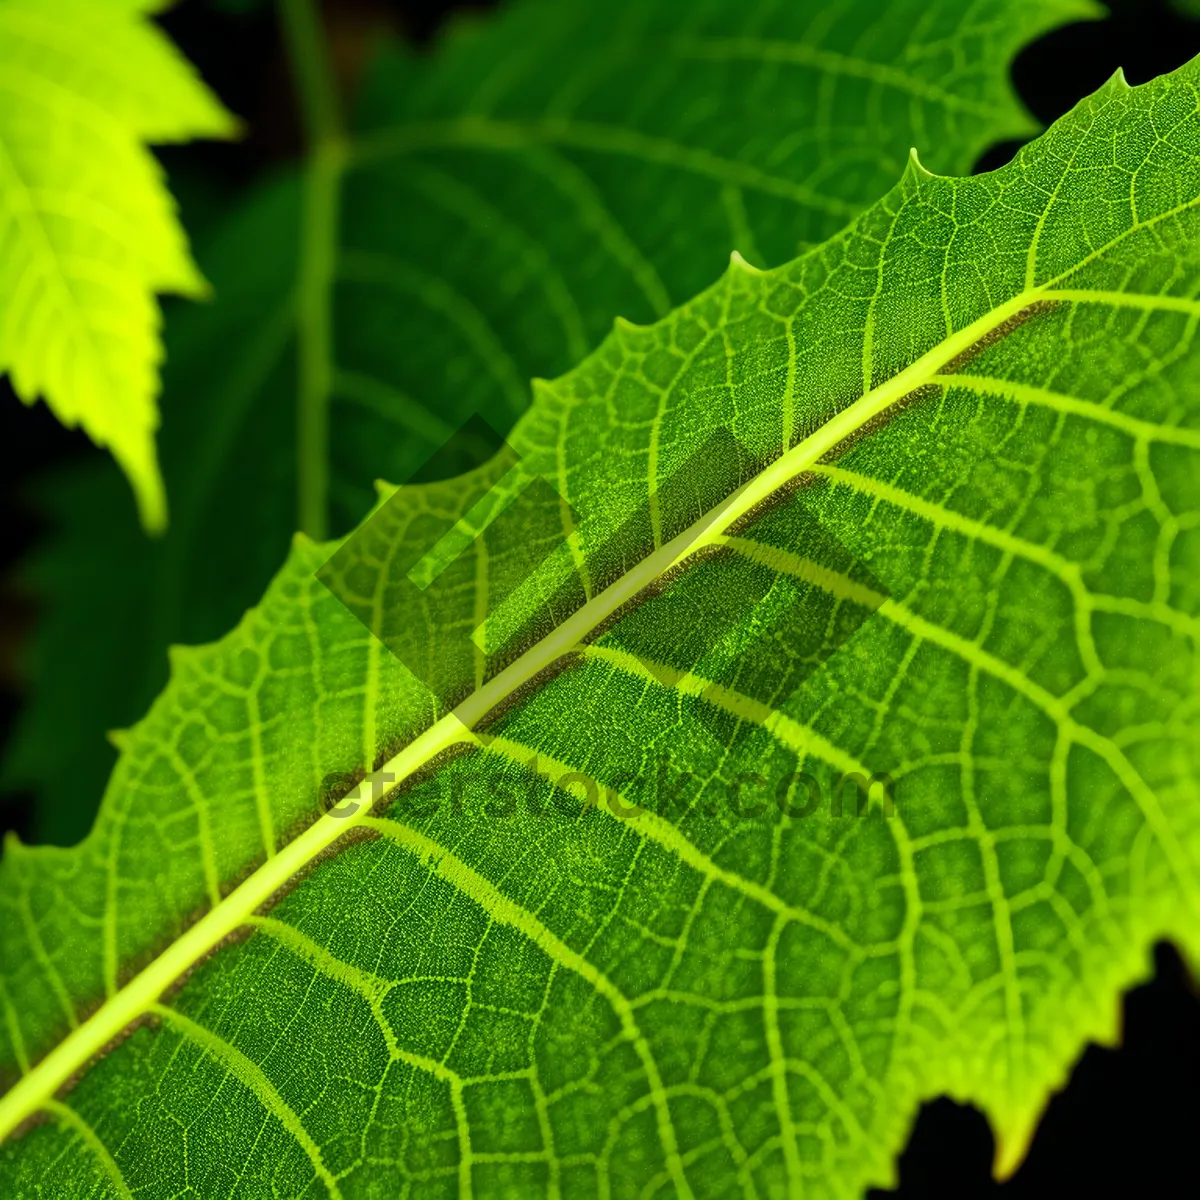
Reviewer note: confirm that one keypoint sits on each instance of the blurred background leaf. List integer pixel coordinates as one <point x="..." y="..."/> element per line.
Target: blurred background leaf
<point x="88" y="232"/>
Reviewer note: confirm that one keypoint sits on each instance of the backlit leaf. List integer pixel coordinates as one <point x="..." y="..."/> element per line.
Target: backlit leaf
<point x="966" y="432"/>
<point x="88" y="231"/>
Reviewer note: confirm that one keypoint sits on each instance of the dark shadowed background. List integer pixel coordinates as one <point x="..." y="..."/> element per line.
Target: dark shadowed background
<point x="1129" y="1121"/>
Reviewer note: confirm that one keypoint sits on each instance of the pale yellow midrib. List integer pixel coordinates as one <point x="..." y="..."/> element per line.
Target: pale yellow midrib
<point x="138" y="996"/>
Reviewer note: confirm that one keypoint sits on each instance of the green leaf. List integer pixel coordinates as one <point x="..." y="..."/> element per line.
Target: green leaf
<point x="500" y="203"/>
<point x="88" y="232"/>
<point x="960" y="451"/>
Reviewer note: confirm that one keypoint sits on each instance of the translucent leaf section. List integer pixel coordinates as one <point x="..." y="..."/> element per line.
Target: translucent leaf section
<point x="620" y="924"/>
<point x="502" y="199"/>
<point x="88" y="232"/>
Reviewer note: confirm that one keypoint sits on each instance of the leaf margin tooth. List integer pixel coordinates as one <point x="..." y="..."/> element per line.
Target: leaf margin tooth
<point x="738" y="262"/>
<point x="623" y="325"/>
<point x="119" y="739"/>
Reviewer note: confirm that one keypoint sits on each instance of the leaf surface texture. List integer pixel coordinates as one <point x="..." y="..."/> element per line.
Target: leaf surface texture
<point x="983" y="393"/>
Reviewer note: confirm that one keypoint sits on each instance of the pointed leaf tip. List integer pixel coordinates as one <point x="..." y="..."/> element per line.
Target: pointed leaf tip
<point x="1012" y="1147"/>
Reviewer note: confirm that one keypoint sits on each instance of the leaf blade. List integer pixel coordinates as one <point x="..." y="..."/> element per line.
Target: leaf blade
<point x="1046" y="834"/>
